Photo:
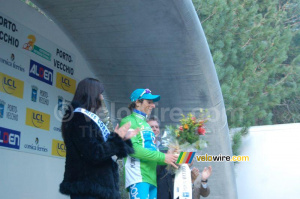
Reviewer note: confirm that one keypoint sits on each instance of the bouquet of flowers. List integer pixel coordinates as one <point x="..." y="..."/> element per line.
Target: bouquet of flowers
<point x="186" y="137"/>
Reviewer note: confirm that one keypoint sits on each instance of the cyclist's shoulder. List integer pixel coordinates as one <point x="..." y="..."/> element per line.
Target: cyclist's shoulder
<point x="127" y="119"/>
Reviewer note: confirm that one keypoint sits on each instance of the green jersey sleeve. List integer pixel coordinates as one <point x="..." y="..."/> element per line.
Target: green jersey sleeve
<point x="146" y="154"/>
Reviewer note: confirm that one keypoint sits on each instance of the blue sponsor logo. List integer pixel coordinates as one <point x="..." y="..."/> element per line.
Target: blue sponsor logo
<point x="148" y="138"/>
<point x="60" y="103"/>
<point x="1" y="110"/>
<point x="10" y="138"/>
<point x="41" y="72"/>
<point x="34" y="91"/>
<point x="185" y="194"/>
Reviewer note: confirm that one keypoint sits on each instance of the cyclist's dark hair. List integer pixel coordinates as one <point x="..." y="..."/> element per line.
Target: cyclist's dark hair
<point x="132" y="105"/>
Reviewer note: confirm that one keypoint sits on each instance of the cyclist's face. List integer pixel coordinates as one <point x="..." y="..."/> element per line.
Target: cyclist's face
<point x="146" y="106"/>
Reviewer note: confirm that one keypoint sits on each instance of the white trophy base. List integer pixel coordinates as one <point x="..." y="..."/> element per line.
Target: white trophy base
<point x="183" y="183"/>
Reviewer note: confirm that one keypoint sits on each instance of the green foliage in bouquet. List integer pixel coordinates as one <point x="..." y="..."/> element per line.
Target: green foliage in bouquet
<point x="189" y="131"/>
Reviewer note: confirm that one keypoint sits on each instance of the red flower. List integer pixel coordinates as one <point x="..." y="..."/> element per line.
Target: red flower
<point x="201" y="131"/>
<point x="180" y="128"/>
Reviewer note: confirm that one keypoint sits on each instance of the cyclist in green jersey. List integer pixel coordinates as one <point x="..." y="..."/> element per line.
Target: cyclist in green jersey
<point x="140" y="167"/>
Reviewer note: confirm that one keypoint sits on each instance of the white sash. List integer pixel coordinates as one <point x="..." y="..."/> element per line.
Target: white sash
<point x="96" y="119"/>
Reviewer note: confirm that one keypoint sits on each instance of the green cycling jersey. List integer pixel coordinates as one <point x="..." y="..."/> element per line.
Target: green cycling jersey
<point x="141" y="166"/>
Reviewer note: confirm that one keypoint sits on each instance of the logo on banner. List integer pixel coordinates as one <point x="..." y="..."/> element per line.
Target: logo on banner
<point x="58" y="148"/>
<point x="60" y="103"/>
<point x="12" y="57"/>
<point x="11" y="85"/>
<point x="11" y="63"/>
<point x="34" y="91"/>
<point x="37" y="119"/>
<point x="30" y="46"/>
<point x="4" y="36"/>
<point x="43" y="98"/>
<point x="41" y="72"/>
<point x="60" y="64"/>
<point x="36" y="146"/>
<point x="65" y="83"/>
<point x="60" y="109"/>
<point x="2" y="104"/>
<point x="10" y="138"/>
<point x="12" y="112"/>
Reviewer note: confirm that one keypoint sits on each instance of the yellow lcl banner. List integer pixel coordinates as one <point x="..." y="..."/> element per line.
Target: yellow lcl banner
<point x="11" y="85"/>
<point x="58" y="148"/>
<point x="37" y="119"/>
<point x="65" y="83"/>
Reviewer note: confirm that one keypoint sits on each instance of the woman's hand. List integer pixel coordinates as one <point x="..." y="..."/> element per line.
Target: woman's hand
<point x="124" y="131"/>
<point x="171" y="159"/>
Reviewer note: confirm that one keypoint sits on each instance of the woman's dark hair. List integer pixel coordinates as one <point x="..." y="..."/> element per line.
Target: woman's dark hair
<point x="132" y="105"/>
<point x="88" y="94"/>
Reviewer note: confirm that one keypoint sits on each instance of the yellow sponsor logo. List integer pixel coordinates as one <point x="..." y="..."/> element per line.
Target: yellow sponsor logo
<point x="11" y="85"/>
<point x="65" y="83"/>
<point x="58" y="148"/>
<point x="37" y="119"/>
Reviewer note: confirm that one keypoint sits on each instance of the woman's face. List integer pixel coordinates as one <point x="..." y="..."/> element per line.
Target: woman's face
<point x="146" y="106"/>
<point x="155" y="127"/>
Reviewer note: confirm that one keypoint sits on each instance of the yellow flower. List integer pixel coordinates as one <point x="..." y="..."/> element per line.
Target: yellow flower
<point x="186" y="126"/>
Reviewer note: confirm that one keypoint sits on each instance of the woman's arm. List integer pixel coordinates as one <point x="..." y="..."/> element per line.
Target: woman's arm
<point x="88" y="140"/>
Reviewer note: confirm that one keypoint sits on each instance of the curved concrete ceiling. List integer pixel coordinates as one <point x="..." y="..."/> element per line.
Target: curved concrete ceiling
<point x="156" y="44"/>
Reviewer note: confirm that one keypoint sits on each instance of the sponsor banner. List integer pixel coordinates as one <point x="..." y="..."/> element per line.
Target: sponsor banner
<point x="63" y="61"/>
<point x="2" y="105"/>
<point x="37" y="119"/>
<point x="65" y="83"/>
<point x="41" y="72"/>
<point x="29" y="64"/>
<point x="35" y="145"/>
<point x="43" y="99"/>
<point x="43" y="95"/>
<point x="11" y="85"/>
<point x="62" y="104"/>
<point x="57" y="129"/>
<point x="11" y="60"/>
<point x="34" y="93"/>
<point x="58" y="148"/>
<point x="12" y="112"/>
<point x="7" y="32"/>
<point x="32" y="47"/>
<point x="10" y="138"/>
